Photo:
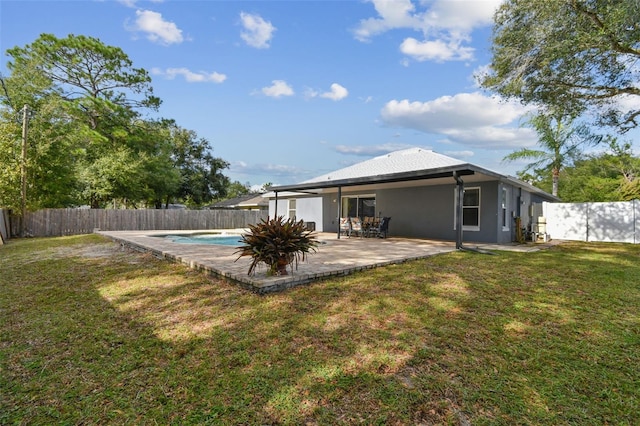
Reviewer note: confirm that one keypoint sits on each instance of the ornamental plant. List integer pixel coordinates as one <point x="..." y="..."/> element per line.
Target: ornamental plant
<point x="278" y="243"/>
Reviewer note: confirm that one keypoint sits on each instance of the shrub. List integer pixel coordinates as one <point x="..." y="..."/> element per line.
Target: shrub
<point x="278" y="243"/>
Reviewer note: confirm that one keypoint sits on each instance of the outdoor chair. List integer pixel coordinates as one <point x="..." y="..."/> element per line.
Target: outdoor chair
<point x="345" y="226"/>
<point x="382" y="229"/>
<point x="371" y="230"/>
<point x="356" y="226"/>
<point x="367" y="223"/>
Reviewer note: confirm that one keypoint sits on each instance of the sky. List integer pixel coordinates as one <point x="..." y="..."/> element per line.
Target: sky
<point x="285" y="91"/>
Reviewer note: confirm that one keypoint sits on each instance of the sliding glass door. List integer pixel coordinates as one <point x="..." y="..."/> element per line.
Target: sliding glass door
<point x="359" y="206"/>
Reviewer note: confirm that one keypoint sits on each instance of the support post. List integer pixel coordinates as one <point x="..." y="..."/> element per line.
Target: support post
<point x="459" y="209"/>
<point x="339" y="208"/>
<point x="275" y="208"/>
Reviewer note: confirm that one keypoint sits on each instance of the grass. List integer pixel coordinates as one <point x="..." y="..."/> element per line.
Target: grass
<point x="90" y="334"/>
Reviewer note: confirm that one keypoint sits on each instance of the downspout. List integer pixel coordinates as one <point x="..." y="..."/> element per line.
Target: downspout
<point x="460" y="192"/>
<point x="275" y="212"/>
<point x="459" y="210"/>
<point x="339" y="208"/>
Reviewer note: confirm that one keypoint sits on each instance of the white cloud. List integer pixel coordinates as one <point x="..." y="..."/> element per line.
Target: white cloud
<point x="337" y="93"/>
<point x="278" y="89"/>
<point x="257" y="32"/>
<point x="461" y="15"/>
<point x="467" y="118"/>
<point x="627" y="103"/>
<point x="132" y="3"/>
<point x="436" y="50"/>
<point x="264" y="169"/>
<point x="310" y="93"/>
<point x="190" y="76"/>
<point x="393" y="14"/>
<point x="156" y="28"/>
<point x="370" y="150"/>
<point x="459" y="154"/>
<point x="445" y="25"/>
<point x="494" y="137"/>
<point x="128" y="3"/>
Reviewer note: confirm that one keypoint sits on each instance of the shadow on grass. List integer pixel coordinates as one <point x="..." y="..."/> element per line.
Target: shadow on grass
<point x="544" y="338"/>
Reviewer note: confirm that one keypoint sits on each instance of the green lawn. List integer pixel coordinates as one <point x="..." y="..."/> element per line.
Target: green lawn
<point x="90" y="334"/>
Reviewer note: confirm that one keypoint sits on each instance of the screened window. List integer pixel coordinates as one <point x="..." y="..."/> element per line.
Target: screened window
<point x="470" y="210"/>
<point x="504" y="209"/>
<point x="292" y="209"/>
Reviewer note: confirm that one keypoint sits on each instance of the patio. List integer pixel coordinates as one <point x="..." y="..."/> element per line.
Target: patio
<point x="334" y="257"/>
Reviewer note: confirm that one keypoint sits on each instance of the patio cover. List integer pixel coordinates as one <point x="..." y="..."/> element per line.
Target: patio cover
<point x="415" y="165"/>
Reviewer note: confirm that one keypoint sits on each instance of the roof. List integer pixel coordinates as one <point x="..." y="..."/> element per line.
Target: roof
<point x="401" y="167"/>
<point x="244" y="201"/>
<point x="407" y="160"/>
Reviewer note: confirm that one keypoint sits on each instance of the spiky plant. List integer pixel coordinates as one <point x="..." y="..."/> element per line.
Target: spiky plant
<point x="278" y="243"/>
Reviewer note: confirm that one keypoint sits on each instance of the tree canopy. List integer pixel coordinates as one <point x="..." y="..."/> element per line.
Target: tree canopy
<point x="89" y="142"/>
<point x="611" y="175"/>
<point x="559" y="143"/>
<point x="573" y="55"/>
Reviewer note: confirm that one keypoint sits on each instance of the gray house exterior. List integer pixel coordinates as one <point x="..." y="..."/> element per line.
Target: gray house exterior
<point x="419" y="190"/>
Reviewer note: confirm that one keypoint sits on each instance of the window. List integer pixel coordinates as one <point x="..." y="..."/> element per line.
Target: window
<point x="504" y="209"/>
<point x="360" y="206"/>
<point x="470" y="209"/>
<point x="292" y="209"/>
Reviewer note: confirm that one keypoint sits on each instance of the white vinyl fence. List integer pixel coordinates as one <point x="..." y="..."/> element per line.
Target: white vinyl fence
<point x="602" y="222"/>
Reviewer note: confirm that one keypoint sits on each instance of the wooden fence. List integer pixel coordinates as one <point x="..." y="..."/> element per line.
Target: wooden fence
<point x="4" y="225"/>
<point x="58" y="222"/>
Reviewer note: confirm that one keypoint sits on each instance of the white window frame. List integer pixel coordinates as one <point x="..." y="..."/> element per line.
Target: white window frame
<point x="504" y="208"/>
<point x="455" y="208"/>
<point x="291" y="208"/>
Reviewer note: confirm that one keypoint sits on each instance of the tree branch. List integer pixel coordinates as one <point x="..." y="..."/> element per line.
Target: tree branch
<point x="613" y="40"/>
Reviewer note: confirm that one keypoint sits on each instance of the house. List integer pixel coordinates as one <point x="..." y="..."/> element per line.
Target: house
<point x="244" y="202"/>
<point x="418" y="189"/>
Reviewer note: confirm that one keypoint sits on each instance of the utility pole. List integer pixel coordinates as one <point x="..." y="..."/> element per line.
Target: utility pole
<point x="23" y="169"/>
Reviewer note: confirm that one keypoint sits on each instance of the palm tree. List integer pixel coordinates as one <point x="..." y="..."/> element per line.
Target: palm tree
<point x="559" y="142"/>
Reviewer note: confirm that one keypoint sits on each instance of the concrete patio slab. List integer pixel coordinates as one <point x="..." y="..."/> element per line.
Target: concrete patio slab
<point x="334" y="257"/>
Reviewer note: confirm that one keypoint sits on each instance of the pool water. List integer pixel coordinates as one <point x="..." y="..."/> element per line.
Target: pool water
<point x="216" y="239"/>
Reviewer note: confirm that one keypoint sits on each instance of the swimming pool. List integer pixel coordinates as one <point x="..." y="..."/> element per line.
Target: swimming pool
<point x="215" y="239"/>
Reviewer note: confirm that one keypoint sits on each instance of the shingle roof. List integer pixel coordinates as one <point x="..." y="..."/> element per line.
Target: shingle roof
<point x="403" y="166"/>
<point x="248" y="200"/>
<point x="407" y="160"/>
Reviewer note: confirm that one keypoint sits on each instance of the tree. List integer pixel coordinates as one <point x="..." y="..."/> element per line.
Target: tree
<point x="613" y="175"/>
<point x="52" y="148"/>
<point x="89" y="143"/>
<point x="237" y="189"/>
<point x="9" y="164"/>
<point x="573" y="55"/>
<point x="628" y="166"/>
<point x="559" y="141"/>
<point x="202" y="180"/>
<point x="86" y="96"/>
<point x="94" y="78"/>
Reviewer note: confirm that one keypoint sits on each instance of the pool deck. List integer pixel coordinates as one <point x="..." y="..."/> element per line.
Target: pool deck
<point x="334" y="257"/>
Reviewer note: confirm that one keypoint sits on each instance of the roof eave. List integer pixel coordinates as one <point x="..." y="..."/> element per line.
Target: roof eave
<point x="462" y="169"/>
